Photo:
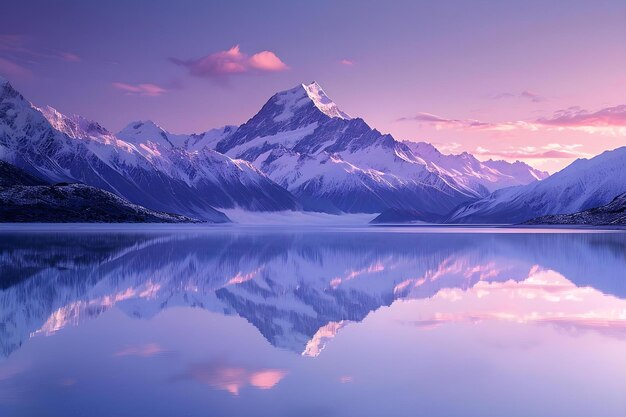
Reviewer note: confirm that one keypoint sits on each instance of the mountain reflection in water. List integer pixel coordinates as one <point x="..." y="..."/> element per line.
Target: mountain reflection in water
<point x="300" y="288"/>
<point x="236" y="321"/>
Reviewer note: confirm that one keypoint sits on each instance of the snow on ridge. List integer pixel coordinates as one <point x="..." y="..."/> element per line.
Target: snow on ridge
<point x="315" y="92"/>
<point x="292" y="99"/>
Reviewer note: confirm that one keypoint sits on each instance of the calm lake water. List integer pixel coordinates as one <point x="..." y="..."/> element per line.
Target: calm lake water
<point x="228" y="321"/>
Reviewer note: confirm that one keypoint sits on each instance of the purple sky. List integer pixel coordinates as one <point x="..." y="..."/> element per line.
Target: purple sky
<point x="542" y="81"/>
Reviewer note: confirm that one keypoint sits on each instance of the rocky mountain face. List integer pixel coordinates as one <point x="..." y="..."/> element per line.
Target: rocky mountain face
<point x="25" y="198"/>
<point x="612" y="214"/>
<point x="585" y="184"/>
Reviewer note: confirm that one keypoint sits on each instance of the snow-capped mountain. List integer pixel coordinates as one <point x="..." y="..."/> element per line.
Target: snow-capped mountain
<point x="304" y="142"/>
<point x="482" y="177"/>
<point x="227" y="182"/>
<point x="584" y="184"/>
<point x="57" y="148"/>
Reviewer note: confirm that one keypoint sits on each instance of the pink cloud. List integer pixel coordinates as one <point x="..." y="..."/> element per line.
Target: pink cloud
<point x="233" y="61"/>
<point x="550" y="151"/>
<point x="231" y="378"/>
<point x="347" y="62"/>
<point x="526" y="94"/>
<point x="577" y="117"/>
<point x="443" y="123"/>
<point x="70" y="57"/>
<point x="606" y="121"/>
<point x="144" y="89"/>
<point x="267" y="61"/>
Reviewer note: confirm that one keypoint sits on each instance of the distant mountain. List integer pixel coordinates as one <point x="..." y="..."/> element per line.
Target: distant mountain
<point x="304" y="142"/>
<point x="59" y="148"/>
<point x="585" y="184"/>
<point x="612" y="214"/>
<point x="482" y="177"/>
<point x="25" y="198"/>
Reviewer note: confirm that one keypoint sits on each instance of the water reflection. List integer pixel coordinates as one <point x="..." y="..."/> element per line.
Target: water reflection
<point x="299" y="289"/>
<point x="372" y="322"/>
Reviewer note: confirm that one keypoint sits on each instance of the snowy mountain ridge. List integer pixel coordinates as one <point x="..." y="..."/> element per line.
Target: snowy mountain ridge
<point x="585" y="184"/>
<point x="299" y="150"/>
<point x="154" y="174"/>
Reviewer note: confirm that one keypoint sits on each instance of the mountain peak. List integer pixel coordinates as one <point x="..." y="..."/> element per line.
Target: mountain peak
<point x="315" y="92"/>
<point x="294" y="98"/>
<point x="145" y="130"/>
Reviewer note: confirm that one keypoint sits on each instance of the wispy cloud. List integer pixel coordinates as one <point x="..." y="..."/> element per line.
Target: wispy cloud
<point x="222" y="64"/>
<point x="18" y="53"/>
<point x="607" y="121"/>
<point x="550" y="151"/>
<point x="144" y="89"/>
<point x="347" y="62"/>
<point x="465" y="124"/>
<point x="70" y="57"/>
<point x="526" y="94"/>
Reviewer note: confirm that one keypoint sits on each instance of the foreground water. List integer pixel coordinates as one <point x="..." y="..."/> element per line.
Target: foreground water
<point x="313" y="322"/>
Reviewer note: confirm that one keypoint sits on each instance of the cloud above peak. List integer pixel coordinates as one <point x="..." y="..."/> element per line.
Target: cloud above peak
<point x="231" y="62"/>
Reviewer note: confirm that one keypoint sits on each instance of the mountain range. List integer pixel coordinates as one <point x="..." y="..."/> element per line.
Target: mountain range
<point x="299" y="152"/>
<point x="585" y="184"/>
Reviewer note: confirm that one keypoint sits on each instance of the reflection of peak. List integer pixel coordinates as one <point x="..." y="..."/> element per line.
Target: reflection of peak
<point x="297" y="289"/>
<point x="318" y="342"/>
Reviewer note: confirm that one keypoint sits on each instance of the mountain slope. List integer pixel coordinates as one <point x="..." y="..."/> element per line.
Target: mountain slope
<point x="584" y="184"/>
<point x="11" y="176"/>
<point x="25" y="198"/>
<point x="304" y="142"/>
<point x="227" y="182"/>
<point x="58" y="148"/>
<point x="75" y="203"/>
<point x="612" y="214"/>
<point x="483" y="177"/>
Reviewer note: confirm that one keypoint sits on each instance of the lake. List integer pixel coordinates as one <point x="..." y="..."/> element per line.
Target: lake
<point x="317" y="321"/>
